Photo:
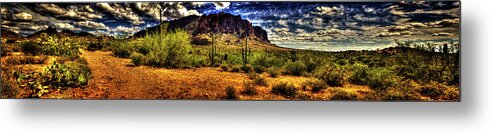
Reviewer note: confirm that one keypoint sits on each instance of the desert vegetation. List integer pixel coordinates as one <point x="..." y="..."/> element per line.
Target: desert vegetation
<point x="50" y="66"/>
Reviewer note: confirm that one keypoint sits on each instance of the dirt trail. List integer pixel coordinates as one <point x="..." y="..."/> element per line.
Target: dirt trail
<point x="116" y="78"/>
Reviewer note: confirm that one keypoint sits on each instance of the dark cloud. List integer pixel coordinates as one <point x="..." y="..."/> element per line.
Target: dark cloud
<point x="302" y="22"/>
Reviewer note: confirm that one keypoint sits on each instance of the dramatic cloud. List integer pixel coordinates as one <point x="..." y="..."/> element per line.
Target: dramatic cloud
<point x="121" y="12"/>
<point x="292" y="23"/>
<point x="23" y="16"/>
<point x="92" y="25"/>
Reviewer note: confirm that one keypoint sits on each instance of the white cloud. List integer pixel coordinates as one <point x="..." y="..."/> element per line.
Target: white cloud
<point x="52" y="8"/>
<point x="92" y="25"/>
<point x="221" y="5"/>
<point x="328" y="11"/>
<point x="23" y="16"/>
<point x="121" y="12"/>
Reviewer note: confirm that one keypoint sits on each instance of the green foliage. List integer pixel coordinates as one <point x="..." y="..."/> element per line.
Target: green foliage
<point x="273" y="72"/>
<point x="332" y="74"/>
<point x="258" y="79"/>
<point x="70" y="75"/>
<point x="9" y="85"/>
<point x="93" y="46"/>
<point x="314" y="85"/>
<point x="380" y="79"/>
<point x="19" y="60"/>
<point x="249" y="88"/>
<point x="296" y="68"/>
<point x="137" y="58"/>
<point x="340" y="94"/>
<point x="406" y="90"/>
<point x="285" y="89"/>
<point x="122" y="49"/>
<point x="247" y="68"/>
<point x="31" y="48"/>
<point x="235" y="68"/>
<point x="169" y="49"/>
<point x="224" y="68"/>
<point x="259" y="69"/>
<point x="231" y="93"/>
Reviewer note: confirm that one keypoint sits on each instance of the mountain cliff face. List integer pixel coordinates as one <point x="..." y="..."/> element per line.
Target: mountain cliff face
<point x="214" y="23"/>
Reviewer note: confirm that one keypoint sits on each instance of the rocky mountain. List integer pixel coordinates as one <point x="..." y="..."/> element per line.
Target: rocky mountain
<point x="214" y="23"/>
<point x="54" y="31"/>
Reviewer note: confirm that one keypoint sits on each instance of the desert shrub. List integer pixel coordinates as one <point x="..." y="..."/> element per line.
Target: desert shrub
<point x="358" y="73"/>
<point x="247" y="68"/>
<point x="92" y="46"/>
<point x="224" y="68"/>
<point x="122" y="49"/>
<point x="259" y="69"/>
<point x="137" y="58"/>
<point x="295" y="68"/>
<point x="273" y="72"/>
<point x="198" y="61"/>
<point x="285" y="89"/>
<point x="249" y="88"/>
<point x="173" y="51"/>
<point x="72" y="74"/>
<point x="233" y="59"/>
<point x="340" y="94"/>
<point x="178" y="47"/>
<point x="17" y="60"/>
<point x="235" y="68"/>
<point x="439" y="91"/>
<point x="258" y="79"/>
<point x="406" y="90"/>
<point x="9" y="87"/>
<point x="332" y="74"/>
<point x="266" y="60"/>
<point x="31" y="48"/>
<point x="380" y="79"/>
<point x="231" y="93"/>
<point x="314" y="85"/>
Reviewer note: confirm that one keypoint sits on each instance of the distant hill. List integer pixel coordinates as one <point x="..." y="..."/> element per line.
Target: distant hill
<point x="223" y="22"/>
<point x="54" y="31"/>
<point x="10" y="35"/>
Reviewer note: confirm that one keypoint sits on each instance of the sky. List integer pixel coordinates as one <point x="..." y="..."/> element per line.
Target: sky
<point x="287" y="23"/>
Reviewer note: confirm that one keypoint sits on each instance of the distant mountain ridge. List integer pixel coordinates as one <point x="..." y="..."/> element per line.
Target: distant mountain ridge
<point x="54" y="31"/>
<point x="222" y="22"/>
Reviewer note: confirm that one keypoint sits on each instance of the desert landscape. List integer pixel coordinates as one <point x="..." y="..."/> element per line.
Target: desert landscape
<point x="220" y="54"/>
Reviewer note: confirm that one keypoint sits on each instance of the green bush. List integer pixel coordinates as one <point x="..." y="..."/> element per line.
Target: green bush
<point x="249" y="88"/>
<point x="358" y="73"/>
<point x="314" y="85"/>
<point x="247" y="68"/>
<point x="235" y="68"/>
<point x="72" y="74"/>
<point x="339" y="94"/>
<point x="285" y="89"/>
<point x="231" y="93"/>
<point x="137" y="58"/>
<point x="122" y="49"/>
<point x="273" y="72"/>
<point x="93" y="46"/>
<point x="259" y="69"/>
<point x="295" y="68"/>
<point x="173" y="51"/>
<point x="31" y="48"/>
<point x="406" y="90"/>
<point x="332" y="74"/>
<point x="224" y="68"/>
<point x="381" y="79"/>
<point x="258" y="79"/>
